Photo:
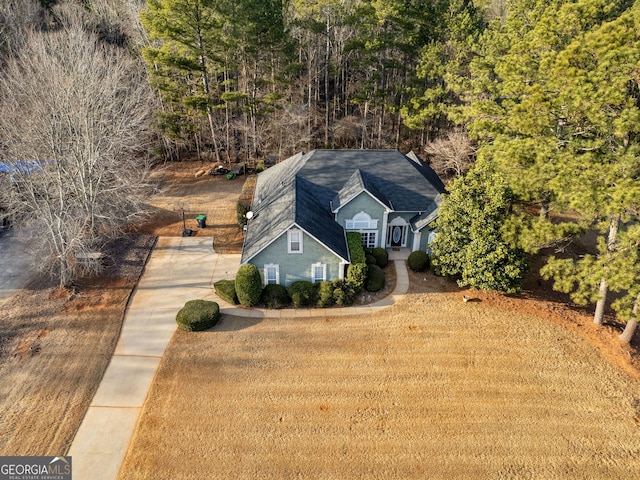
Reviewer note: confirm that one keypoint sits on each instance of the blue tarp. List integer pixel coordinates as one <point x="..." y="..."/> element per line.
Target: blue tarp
<point x="21" y="166"/>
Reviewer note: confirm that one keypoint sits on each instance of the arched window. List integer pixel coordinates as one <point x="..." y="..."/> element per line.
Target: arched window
<point x="367" y="226"/>
<point x="361" y="221"/>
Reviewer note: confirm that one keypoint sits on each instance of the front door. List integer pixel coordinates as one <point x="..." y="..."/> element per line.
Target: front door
<point x="396" y="235"/>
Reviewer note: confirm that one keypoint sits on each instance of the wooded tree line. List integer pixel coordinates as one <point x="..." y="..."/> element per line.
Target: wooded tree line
<point x="248" y="78"/>
<point x="552" y="100"/>
<point x="539" y="98"/>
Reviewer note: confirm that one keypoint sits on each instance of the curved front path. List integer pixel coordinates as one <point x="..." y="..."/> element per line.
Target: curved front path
<point x="179" y="269"/>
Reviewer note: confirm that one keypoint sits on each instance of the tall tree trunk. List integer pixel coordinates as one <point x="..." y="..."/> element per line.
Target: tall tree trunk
<point x="598" y="317"/>
<point x="544" y="207"/>
<point x="327" y="99"/>
<point x="632" y="324"/>
<point x="205" y="84"/>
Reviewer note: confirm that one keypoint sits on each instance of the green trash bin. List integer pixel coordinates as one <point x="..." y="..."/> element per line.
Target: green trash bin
<point x="202" y="221"/>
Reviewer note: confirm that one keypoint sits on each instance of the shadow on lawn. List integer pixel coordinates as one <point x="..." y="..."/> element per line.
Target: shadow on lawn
<point x="233" y="323"/>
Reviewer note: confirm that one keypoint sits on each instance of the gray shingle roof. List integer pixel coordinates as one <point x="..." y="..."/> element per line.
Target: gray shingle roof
<point x="306" y="187"/>
<point x="358" y="182"/>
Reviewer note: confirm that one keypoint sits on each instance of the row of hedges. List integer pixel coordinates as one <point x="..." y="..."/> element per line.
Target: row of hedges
<point x="247" y="289"/>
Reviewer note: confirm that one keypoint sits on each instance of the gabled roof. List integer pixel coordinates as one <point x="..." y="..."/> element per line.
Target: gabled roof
<point x="304" y="190"/>
<point x="292" y="202"/>
<point x="358" y="182"/>
<point x="318" y="221"/>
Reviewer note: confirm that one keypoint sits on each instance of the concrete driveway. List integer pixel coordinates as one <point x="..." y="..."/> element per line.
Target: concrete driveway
<point x="180" y="269"/>
<point x="16" y="264"/>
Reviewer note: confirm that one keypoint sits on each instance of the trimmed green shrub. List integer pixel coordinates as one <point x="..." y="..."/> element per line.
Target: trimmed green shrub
<point x="370" y="259"/>
<point x="241" y="212"/>
<point x="375" y="278"/>
<point x="197" y="315"/>
<point x="382" y="256"/>
<point x="340" y="298"/>
<point x="418" y="260"/>
<point x="324" y="294"/>
<point x="275" y="296"/>
<point x="226" y="290"/>
<point x="248" y="285"/>
<point x="356" y="276"/>
<point x="356" y="252"/>
<point x="302" y="293"/>
<point x="343" y="294"/>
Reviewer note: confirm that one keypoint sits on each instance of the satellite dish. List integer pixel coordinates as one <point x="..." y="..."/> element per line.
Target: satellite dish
<point x="249" y="215"/>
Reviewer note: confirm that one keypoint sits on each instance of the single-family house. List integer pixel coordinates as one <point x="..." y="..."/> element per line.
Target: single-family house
<point x="303" y="207"/>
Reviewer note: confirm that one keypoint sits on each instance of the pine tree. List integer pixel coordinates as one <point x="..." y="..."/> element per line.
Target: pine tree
<point x="183" y="60"/>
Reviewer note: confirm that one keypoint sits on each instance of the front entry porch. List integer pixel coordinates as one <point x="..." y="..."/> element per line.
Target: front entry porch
<point x="398" y="253"/>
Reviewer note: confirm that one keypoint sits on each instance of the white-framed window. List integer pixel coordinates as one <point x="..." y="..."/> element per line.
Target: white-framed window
<point x="294" y="237"/>
<point x="271" y="273"/>
<point x="369" y="239"/>
<point x="361" y="221"/>
<point x="318" y="272"/>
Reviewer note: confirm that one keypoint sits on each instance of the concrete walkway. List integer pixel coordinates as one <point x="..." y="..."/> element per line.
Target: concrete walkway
<point x="180" y="269"/>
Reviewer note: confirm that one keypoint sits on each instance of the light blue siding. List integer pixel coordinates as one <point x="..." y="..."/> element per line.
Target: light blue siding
<point x="297" y="266"/>
<point x="426" y="231"/>
<point x="363" y="202"/>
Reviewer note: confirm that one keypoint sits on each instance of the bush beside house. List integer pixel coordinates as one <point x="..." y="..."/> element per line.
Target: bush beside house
<point x="357" y="276"/>
<point x="381" y="255"/>
<point x="302" y="293"/>
<point x="248" y="285"/>
<point x="275" y="296"/>
<point x="241" y="212"/>
<point x="375" y="278"/>
<point x="418" y="260"/>
<point x="226" y="290"/>
<point x="342" y="293"/>
<point x="324" y="294"/>
<point x="356" y="252"/>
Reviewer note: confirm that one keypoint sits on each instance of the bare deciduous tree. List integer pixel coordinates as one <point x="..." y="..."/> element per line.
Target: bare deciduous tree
<point x="17" y="18"/>
<point x="74" y="116"/>
<point x="114" y="21"/>
<point x="452" y="155"/>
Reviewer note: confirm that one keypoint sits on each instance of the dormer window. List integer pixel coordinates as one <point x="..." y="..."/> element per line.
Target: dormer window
<point x="294" y="237"/>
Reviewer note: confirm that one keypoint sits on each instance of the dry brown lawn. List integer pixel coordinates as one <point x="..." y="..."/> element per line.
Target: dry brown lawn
<point x="54" y="348"/>
<point x="55" y="345"/>
<point x="429" y="388"/>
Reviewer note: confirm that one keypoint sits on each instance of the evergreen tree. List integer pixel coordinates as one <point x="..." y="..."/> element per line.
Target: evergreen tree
<point x="182" y="61"/>
<point x="443" y="71"/>
<point x="470" y="244"/>
<point x="597" y="83"/>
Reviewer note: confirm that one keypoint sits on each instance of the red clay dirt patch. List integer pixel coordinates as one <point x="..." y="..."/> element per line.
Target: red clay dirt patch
<point x="213" y="196"/>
